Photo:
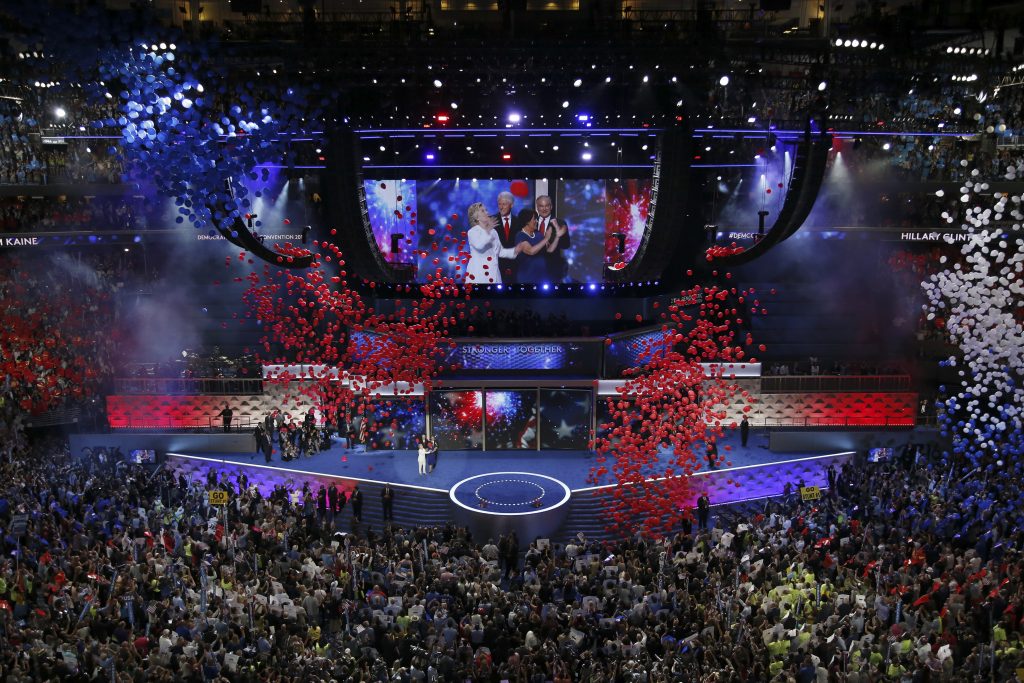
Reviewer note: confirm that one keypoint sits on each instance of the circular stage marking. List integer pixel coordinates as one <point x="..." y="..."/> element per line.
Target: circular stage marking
<point x="509" y="493"/>
<point x="488" y="501"/>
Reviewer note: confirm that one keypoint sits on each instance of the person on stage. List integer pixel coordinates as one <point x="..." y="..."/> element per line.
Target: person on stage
<point x="534" y="246"/>
<point x="744" y="431"/>
<point x="387" y="499"/>
<point x="703" y="510"/>
<point x="262" y="442"/>
<point x="226" y="414"/>
<point x="421" y="458"/>
<point x="485" y="248"/>
<point x="357" y="504"/>
<point x="711" y="452"/>
<point x="431" y="456"/>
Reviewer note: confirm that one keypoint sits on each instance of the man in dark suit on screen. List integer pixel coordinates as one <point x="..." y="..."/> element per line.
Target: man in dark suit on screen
<point x="558" y="265"/>
<point x="507" y="230"/>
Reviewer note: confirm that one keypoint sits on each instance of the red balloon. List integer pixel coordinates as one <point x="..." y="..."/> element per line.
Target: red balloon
<point x="520" y="189"/>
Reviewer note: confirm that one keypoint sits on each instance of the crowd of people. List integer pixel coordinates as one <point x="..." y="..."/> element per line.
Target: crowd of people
<point x="51" y="347"/>
<point x="906" y="570"/>
<point x="25" y="159"/>
<point x="66" y="213"/>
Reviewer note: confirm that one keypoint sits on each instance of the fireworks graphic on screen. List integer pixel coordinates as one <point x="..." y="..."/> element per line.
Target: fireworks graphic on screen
<point x="456" y="418"/>
<point x="511" y="419"/>
<point x="397" y="424"/>
<point x="627" y="208"/>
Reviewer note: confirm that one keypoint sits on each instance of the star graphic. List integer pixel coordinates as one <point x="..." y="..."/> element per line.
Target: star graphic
<point x="564" y="431"/>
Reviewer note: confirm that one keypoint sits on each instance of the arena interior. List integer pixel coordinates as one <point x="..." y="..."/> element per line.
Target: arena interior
<point x="520" y="341"/>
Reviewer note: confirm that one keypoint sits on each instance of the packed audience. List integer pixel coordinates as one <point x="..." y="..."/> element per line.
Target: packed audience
<point x="55" y="338"/>
<point x="55" y="214"/>
<point x="907" y="570"/>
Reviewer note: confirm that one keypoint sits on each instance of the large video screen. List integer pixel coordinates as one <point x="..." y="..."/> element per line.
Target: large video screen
<point x="511" y="420"/>
<point x="397" y="424"/>
<point x="456" y="419"/>
<point x="633" y="350"/>
<point x="426" y="224"/>
<point x="565" y="418"/>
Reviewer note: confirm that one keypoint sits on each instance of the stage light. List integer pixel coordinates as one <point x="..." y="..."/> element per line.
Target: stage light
<point x="593" y="287"/>
<point x="822" y="86"/>
<point x="839" y="42"/>
<point x="506" y="157"/>
<point x="846" y="43"/>
<point x="646" y="78"/>
<point x="430" y="156"/>
<point x="855" y="43"/>
<point x="59" y="112"/>
<point x="644" y="148"/>
<point x="554" y="148"/>
<point x="498" y="287"/>
<point x="886" y="146"/>
<point x="679" y="103"/>
<point x="514" y="117"/>
<point x="582" y="117"/>
<point x="723" y="81"/>
<point x="577" y="83"/>
<point x="442" y="118"/>
<point x="607" y="79"/>
<point x="587" y="156"/>
<point x="957" y="111"/>
<point x="437" y="83"/>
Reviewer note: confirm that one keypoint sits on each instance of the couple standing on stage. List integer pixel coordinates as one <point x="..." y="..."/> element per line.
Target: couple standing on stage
<point x="426" y="456"/>
<point x="527" y="247"/>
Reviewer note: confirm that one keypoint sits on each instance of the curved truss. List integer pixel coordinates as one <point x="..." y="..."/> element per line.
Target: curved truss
<point x="804" y="184"/>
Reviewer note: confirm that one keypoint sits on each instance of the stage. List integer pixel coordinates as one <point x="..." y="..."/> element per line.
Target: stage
<point x="760" y="472"/>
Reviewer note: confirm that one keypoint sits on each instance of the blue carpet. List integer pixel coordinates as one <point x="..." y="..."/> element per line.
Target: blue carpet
<point x="571" y="467"/>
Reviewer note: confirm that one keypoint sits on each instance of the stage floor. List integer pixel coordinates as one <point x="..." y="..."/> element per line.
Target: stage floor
<point x="570" y="467"/>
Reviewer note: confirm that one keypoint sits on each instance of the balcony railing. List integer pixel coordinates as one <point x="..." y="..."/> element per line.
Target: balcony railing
<point x="193" y="386"/>
<point x="836" y="422"/>
<point x="799" y="384"/>
<point x="202" y="425"/>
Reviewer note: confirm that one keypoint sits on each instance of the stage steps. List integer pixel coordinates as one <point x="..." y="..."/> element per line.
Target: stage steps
<point x="412" y="507"/>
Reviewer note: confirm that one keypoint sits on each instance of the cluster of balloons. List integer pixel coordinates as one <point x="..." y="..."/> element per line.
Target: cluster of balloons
<point x="672" y="409"/>
<point x="196" y="133"/>
<point x="53" y="339"/>
<point x="349" y="353"/>
<point x="188" y="125"/>
<point x="980" y="300"/>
